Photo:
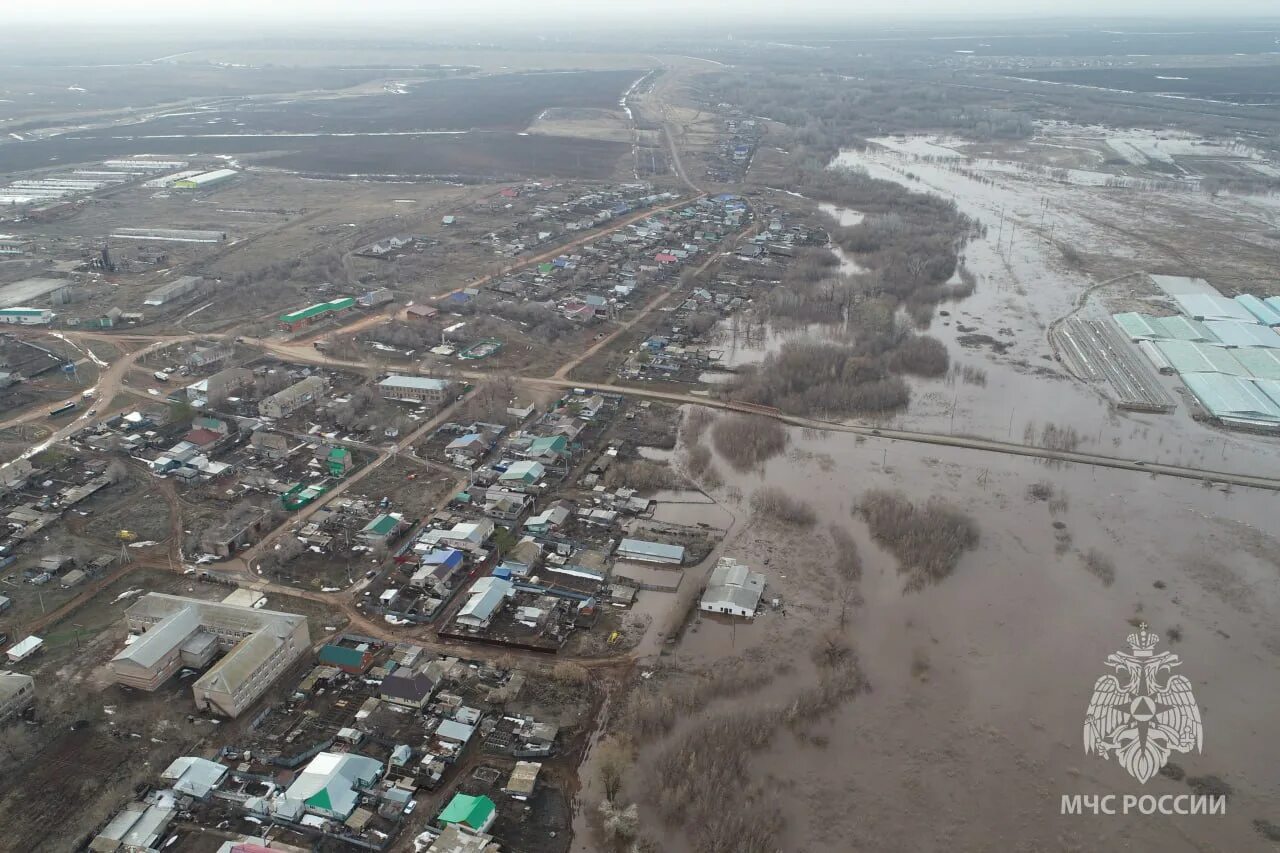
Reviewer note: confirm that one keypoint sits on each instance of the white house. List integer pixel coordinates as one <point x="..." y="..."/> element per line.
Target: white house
<point x="733" y="589"/>
<point x="486" y="596"/>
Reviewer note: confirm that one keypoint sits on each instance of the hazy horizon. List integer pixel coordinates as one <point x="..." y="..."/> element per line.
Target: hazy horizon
<point x="375" y="14"/>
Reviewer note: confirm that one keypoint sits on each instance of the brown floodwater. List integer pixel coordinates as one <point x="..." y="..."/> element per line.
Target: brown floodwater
<point x="972" y="731"/>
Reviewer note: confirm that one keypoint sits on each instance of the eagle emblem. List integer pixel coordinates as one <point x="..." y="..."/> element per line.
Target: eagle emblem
<point x="1142" y="713"/>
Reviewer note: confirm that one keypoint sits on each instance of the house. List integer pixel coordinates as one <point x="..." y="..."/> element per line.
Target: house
<point x="410" y="688"/>
<point x="338" y="461"/>
<point x="650" y="552"/>
<point x="421" y="312"/>
<point x="598" y="304"/>
<point x="520" y="409"/>
<point x="136" y="827"/>
<point x="13" y="475"/>
<point x="353" y="657"/>
<point x="331" y="783"/>
<point x="270" y="444"/>
<point x="523" y="779"/>
<point x="733" y="589"/>
<point x="476" y="813"/>
<point x="523" y="473"/>
<point x="506" y="505"/>
<point x="466" y="450"/>
<point x="547" y="448"/>
<point x="483" y="601"/>
<point x="550" y="518"/>
<point x="456" y="838"/>
<point x="284" y="403"/>
<point x="196" y="777"/>
<point x="382" y="529"/>
<point x="419" y="389"/>
<point x="522" y="559"/>
<point x="467" y="535"/>
<point x="438" y="570"/>
<point x="590" y="407"/>
<point x="202" y="439"/>
<point x="17" y="692"/>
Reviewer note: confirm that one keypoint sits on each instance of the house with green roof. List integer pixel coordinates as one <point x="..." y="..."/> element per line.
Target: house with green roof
<point x="477" y="813"/>
<point x="331" y="783"/>
<point x="299" y="495"/>
<point x="547" y="448"/>
<point x="339" y="461"/>
<point x="381" y="528"/>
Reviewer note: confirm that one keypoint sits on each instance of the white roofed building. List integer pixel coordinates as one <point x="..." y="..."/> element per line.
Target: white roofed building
<point x="733" y="589"/>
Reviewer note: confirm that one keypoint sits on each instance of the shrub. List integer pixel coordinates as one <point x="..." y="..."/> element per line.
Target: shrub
<point x="848" y="562"/>
<point x="773" y="504"/>
<point x="748" y="440"/>
<point x="1100" y="566"/>
<point x="928" y="540"/>
<point x="696" y="422"/>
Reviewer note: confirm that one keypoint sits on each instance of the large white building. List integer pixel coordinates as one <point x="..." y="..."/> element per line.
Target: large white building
<point x="733" y="589"/>
<point x="186" y="632"/>
<point x="419" y="389"/>
<point x="26" y="316"/>
<point x="17" y="691"/>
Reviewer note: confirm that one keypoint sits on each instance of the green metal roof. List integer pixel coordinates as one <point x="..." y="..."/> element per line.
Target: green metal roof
<point x="544" y="443"/>
<point x="337" y="454"/>
<point x="382" y="525"/>
<point x="341" y="656"/>
<point x="319" y="309"/>
<point x="472" y="811"/>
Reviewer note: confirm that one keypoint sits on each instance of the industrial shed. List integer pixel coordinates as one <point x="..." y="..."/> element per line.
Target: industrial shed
<point x="1266" y="314"/>
<point x="1233" y="399"/>
<point x="1232" y="334"/>
<point x="1187" y="357"/>
<point x="1204" y="306"/>
<point x="1145" y="327"/>
<point x="650" y="552"/>
<point x="1263" y="363"/>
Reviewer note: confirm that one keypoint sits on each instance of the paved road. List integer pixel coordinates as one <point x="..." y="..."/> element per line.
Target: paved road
<point x="915" y="437"/>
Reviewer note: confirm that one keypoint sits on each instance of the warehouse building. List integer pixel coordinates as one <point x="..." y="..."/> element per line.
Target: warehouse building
<point x="284" y="403"/>
<point x="26" y="316"/>
<point x="186" y="632"/>
<point x="17" y="692"/>
<point x="419" y="389"/>
<point x="313" y="314"/>
<point x="168" y="235"/>
<point x="204" y="180"/>
<point x="650" y="552"/>
<point x="177" y="289"/>
<point x="733" y="589"/>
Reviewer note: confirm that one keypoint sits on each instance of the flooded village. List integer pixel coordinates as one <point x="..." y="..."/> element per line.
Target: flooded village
<point x="719" y="446"/>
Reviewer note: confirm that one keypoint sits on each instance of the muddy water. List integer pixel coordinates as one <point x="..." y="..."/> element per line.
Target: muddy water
<point x="741" y="341"/>
<point x="1023" y="287"/>
<point x="972" y="731"/>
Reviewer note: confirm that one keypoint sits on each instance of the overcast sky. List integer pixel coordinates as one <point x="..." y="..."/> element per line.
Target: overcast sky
<point x="390" y="12"/>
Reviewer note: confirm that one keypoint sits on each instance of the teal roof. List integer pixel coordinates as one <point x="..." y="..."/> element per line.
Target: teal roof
<point x="318" y="309"/>
<point x="543" y="444"/>
<point x="341" y="656"/>
<point x="382" y="525"/>
<point x="1266" y="313"/>
<point x="472" y="811"/>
